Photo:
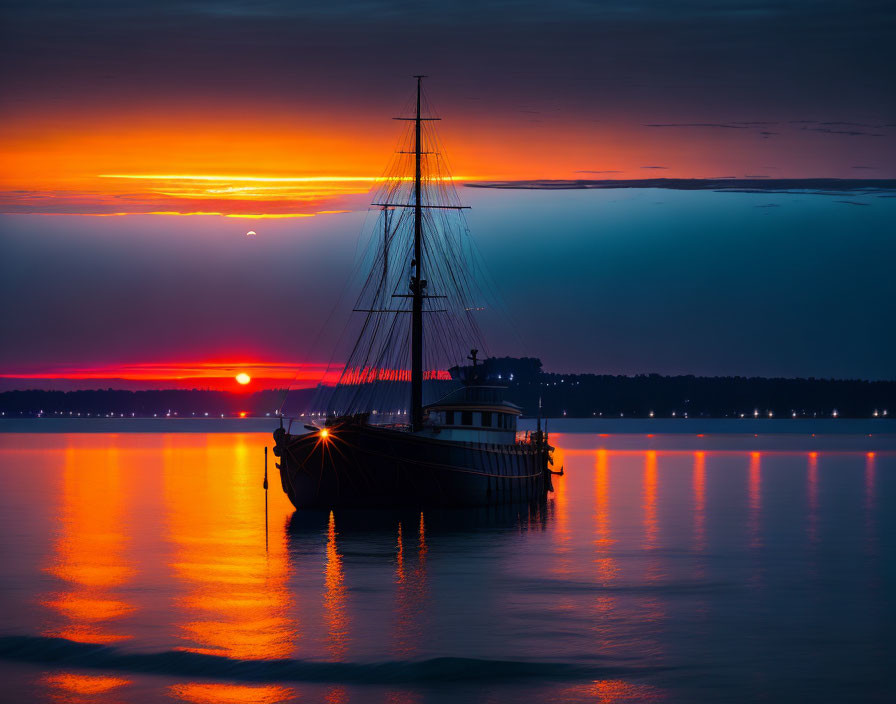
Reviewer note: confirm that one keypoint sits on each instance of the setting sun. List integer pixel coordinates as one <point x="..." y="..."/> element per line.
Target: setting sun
<point x="243" y="378"/>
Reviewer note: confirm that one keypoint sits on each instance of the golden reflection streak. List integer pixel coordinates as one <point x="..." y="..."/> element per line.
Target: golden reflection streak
<point x="335" y="595"/>
<point x="223" y="693"/>
<point x="605" y="565"/>
<point x="89" y="554"/>
<point x="336" y="695"/>
<point x="610" y="692"/>
<point x="411" y="594"/>
<point x="273" y="179"/>
<point x="699" y="482"/>
<point x="77" y="688"/>
<point x="755" y="499"/>
<point x="421" y="544"/>
<point x="236" y="599"/>
<point x="399" y="557"/>
<point x="652" y="605"/>
<point x="812" y="491"/>
<point x="403" y="697"/>
<point x="869" y="501"/>
<point x="651" y="527"/>
<point x="561" y="535"/>
<point x="559" y="508"/>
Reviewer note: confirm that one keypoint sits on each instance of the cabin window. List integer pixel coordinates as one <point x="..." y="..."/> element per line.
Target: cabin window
<point x="449" y="417"/>
<point x="466" y="417"/>
<point x="486" y="419"/>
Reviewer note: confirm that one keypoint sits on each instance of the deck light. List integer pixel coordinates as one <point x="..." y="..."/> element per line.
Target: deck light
<point x="324" y="434"/>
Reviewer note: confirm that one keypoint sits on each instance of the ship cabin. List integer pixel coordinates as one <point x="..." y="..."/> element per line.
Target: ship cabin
<point x="473" y="413"/>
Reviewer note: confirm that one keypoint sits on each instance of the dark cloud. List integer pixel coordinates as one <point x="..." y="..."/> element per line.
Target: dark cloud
<point x="654" y="167"/>
<point x="753" y="184"/>
<point x="852" y="124"/>
<point x="849" y="133"/>
<point x="700" y="124"/>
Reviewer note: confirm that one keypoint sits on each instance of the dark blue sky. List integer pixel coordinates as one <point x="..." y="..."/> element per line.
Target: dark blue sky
<point x="619" y="281"/>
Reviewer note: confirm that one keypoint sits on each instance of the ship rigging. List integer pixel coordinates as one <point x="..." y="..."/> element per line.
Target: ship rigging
<point x="385" y="443"/>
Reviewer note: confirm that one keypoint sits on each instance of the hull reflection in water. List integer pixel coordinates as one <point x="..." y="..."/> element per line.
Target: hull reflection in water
<point x="140" y="572"/>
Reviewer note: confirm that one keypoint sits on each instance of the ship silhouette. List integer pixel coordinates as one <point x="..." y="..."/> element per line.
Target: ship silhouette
<point x="379" y="443"/>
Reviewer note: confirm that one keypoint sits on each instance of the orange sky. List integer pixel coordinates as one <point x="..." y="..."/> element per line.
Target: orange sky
<point x="104" y="163"/>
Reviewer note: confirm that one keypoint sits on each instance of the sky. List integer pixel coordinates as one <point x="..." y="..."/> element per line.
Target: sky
<point x="141" y="141"/>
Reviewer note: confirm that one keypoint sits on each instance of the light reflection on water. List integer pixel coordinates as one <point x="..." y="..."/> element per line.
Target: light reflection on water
<point x="231" y="595"/>
<point x="671" y="574"/>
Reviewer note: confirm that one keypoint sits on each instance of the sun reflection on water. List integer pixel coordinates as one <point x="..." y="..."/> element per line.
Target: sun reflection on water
<point x="158" y="543"/>
<point x="234" y="599"/>
<point x="224" y="693"/>
<point x="79" y="688"/>
<point x="755" y="499"/>
<point x="699" y="482"/>
<point x="90" y="555"/>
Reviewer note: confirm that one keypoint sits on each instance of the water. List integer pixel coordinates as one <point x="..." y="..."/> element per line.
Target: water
<point x="137" y="568"/>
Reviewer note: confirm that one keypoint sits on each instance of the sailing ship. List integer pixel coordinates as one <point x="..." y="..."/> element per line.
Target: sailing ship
<point x="461" y="448"/>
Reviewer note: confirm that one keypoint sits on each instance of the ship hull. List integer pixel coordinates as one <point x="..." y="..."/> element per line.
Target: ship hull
<point x="359" y="465"/>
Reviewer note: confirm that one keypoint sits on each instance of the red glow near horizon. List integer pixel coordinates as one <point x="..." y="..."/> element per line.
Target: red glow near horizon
<point x="223" y="375"/>
<point x="238" y="376"/>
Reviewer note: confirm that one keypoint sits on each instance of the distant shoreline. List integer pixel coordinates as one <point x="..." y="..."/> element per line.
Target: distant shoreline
<point x="586" y="396"/>
<point x="621" y="426"/>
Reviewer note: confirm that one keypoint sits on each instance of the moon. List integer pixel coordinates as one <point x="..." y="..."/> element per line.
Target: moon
<point x="250" y="233"/>
<point x="243" y="378"/>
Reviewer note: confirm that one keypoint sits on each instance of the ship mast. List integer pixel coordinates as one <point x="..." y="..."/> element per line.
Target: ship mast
<point x="417" y="283"/>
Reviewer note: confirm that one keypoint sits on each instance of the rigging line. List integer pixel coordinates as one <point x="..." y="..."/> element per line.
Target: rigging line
<point x="365" y="364"/>
<point x="329" y="317"/>
<point x="443" y="258"/>
<point x="371" y="246"/>
<point x="478" y="260"/>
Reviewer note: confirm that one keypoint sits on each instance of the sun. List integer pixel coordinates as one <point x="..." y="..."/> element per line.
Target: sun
<point x="243" y="378"/>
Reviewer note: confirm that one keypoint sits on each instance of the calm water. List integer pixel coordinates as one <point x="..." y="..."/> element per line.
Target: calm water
<point x="137" y="568"/>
